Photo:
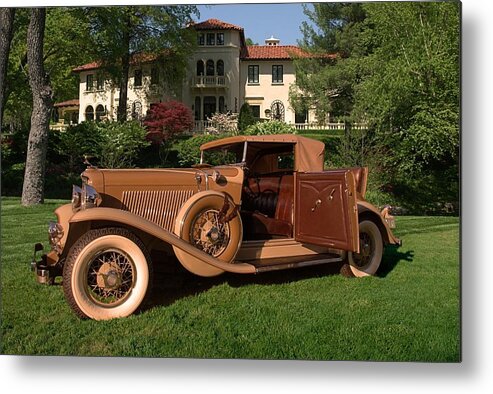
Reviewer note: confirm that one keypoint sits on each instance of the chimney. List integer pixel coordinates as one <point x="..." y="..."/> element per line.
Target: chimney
<point x="272" y="41"/>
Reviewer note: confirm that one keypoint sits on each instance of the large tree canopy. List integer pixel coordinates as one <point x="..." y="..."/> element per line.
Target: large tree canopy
<point x="66" y="45"/>
<point x="397" y="70"/>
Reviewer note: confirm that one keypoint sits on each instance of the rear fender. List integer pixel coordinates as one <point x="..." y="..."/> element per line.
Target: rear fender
<point x="81" y="221"/>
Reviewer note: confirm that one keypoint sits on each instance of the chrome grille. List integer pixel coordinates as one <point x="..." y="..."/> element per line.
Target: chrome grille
<point x="157" y="206"/>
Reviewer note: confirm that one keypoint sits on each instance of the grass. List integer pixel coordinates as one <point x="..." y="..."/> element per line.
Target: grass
<point x="410" y="312"/>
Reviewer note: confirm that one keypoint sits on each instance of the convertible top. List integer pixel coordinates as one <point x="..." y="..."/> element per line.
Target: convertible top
<point x="309" y="153"/>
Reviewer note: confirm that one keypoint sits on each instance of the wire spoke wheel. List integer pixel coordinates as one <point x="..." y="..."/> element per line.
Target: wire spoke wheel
<point x="107" y="274"/>
<point x="110" y="277"/>
<point x="208" y="233"/>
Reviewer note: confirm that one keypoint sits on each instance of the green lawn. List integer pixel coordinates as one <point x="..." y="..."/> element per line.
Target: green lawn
<point x="411" y="312"/>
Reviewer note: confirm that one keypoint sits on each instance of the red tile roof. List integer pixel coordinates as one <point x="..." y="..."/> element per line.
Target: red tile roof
<point x="215" y="24"/>
<point x="137" y="58"/>
<point x="266" y="52"/>
<point x="275" y="52"/>
<point x="88" y="66"/>
<point x="68" y="103"/>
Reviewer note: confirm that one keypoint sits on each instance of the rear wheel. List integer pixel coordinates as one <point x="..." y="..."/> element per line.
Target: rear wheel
<point x="367" y="261"/>
<point x="107" y="274"/>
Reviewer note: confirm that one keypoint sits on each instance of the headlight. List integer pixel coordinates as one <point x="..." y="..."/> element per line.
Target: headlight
<point x="76" y="197"/>
<point x="85" y="197"/>
<point x="90" y="197"/>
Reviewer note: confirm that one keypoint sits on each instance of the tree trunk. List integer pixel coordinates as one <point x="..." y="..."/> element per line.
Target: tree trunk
<point x="125" y="67"/>
<point x="33" y="188"/>
<point x="6" y="32"/>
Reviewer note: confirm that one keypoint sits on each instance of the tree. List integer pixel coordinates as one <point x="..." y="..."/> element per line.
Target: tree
<point x="326" y="79"/>
<point x="33" y="188"/>
<point x="66" y="45"/>
<point x="165" y="120"/>
<point x="121" y="34"/>
<point x="245" y="118"/>
<point x="249" y="41"/>
<point x="410" y="91"/>
<point x="6" y="32"/>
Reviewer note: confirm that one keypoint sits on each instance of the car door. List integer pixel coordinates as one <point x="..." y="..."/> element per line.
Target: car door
<point x="326" y="212"/>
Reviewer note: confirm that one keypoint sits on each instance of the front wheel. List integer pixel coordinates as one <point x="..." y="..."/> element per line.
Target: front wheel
<point x="367" y="261"/>
<point x="107" y="274"/>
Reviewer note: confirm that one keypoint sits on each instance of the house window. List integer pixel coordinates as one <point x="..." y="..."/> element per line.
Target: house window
<point x="220" y="39"/>
<point x="253" y="74"/>
<point x="154" y="76"/>
<point x="301" y="116"/>
<point x="211" y="39"/>
<point x="99" y="82"/>
<point x="89" y="82"/>
<point x="222" y="105"/>
<point x="100" y="112"/>
<point x="277" y="74"/>
<point x="136" y="110"/>
<point x="89" y="113"/>
<point x="255" y="111"/>
<point x="137" y="78"/>
<point x="200" y="68"/>
<point x="220" y="68"/>
<point x="201" y="39"/>
<point x="209" y="68"/>
<point x="197" y="106"/>
<point x="277" y="110"/>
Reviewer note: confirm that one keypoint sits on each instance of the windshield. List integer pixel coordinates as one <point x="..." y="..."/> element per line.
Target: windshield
<point x="260" y="157"/>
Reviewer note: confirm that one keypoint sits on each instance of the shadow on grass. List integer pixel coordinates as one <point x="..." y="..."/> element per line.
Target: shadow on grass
<point x="172" y="282"/>
<point x="391" y="258"/>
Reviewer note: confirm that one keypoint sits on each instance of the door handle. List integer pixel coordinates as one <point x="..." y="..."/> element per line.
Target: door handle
<point x="317" y="203"/>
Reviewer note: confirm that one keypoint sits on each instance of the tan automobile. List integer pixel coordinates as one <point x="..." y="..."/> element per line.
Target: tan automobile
<point x="270" y="206"/>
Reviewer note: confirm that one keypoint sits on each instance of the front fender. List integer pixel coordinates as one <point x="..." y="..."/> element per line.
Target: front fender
<point x="128" y="219"/>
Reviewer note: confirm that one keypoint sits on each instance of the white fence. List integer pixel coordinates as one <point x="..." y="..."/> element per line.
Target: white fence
<point x="202" y="125"/>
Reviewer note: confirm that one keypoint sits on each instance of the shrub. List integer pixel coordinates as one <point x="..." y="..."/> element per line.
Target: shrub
<point x="269" y="127"/>
<point x="189" y="150"/>
<point x="165" y="120"/>
<point x="245" y="118"/>
<point x="223" y="123"/>
<point x="120" y="143"/>
<point x="78" y="141"/>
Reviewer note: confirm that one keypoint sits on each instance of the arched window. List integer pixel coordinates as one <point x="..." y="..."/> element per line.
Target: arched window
<point x="89" y="113"/>
<point x="220" y="68"/>
<point x="209" y="68"/>
<point x="277" y="110"/>
<point x="222" y="107"/>
<point x="200" y="68"/>
<point x="100" y="112"/>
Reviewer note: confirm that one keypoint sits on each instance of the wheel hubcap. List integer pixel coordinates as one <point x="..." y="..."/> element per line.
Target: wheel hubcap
<point x="110" y="277"/>
<point x="366" y="250"/>
<point x="208" y="234"/>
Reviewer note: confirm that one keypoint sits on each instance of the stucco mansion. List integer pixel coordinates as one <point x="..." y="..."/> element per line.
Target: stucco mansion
<point x="223" y="74"/>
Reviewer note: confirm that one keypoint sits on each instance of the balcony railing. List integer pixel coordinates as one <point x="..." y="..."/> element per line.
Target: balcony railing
<point x="328" y="126"/>
<point x="209" y="81"/>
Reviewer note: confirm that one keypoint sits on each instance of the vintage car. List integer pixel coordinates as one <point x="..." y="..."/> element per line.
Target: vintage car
<point x="270" y="206"/>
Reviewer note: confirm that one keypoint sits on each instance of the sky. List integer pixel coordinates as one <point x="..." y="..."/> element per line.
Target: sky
<point x="261" y="21"/>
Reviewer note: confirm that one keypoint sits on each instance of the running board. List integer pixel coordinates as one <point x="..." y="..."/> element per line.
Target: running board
<point x="266" y="265"/>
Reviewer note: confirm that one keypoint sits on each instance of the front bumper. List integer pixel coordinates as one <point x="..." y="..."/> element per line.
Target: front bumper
<point x="47" y="268"/>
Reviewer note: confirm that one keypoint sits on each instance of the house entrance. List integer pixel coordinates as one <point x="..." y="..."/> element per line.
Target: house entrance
<point x="209" y="106"/>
